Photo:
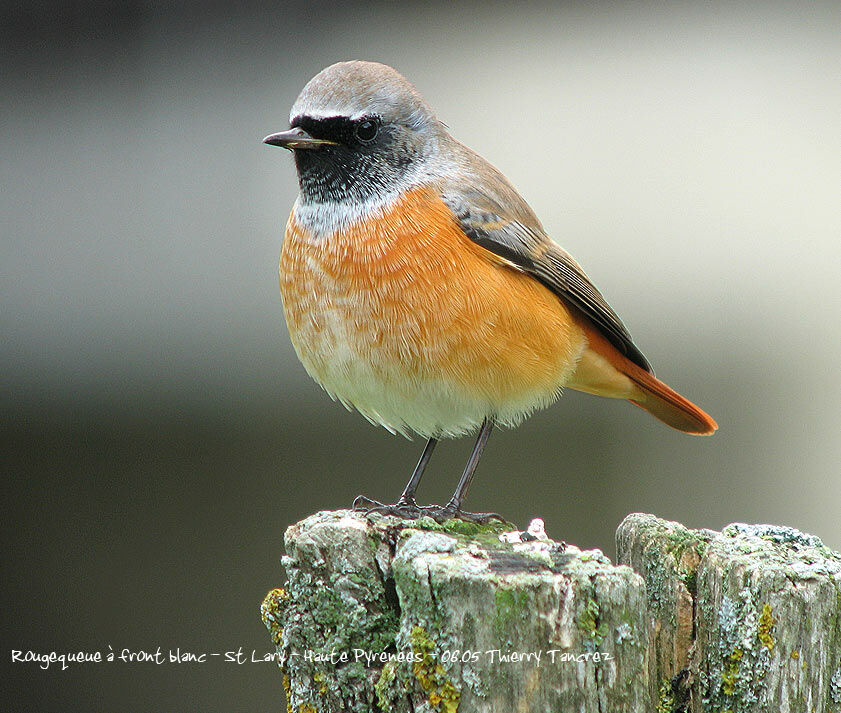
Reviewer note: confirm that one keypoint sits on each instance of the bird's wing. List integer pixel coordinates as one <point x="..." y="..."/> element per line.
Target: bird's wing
<point x="516" y="236"/>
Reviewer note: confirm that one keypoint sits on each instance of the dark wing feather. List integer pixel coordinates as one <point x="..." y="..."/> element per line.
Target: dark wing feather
<point x="521" y="241"/>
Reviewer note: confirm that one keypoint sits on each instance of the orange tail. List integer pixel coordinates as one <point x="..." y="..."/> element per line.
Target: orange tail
<point x="668" y="405"/>
<point x="642" y="389"/>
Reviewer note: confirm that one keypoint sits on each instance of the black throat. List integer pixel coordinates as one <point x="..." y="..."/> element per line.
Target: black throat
<point x="352" y="169"/>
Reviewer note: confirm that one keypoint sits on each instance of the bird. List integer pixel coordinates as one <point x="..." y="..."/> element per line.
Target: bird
<point x="420" y="289"/>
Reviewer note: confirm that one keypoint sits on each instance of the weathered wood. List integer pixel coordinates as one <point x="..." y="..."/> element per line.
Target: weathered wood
<point x="748" y="619"/>
<point x="667" y="556"/>
<point x="384" y="615"/>
<point x="448" y="606"/>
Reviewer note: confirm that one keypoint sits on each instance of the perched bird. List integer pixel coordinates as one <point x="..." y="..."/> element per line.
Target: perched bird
<point x="420" y="289"/>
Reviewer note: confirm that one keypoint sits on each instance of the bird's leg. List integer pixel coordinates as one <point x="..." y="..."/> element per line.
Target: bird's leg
<point x="453" y="508"/>
<point x="406" y="505"/>
<point x="408" y="495"/>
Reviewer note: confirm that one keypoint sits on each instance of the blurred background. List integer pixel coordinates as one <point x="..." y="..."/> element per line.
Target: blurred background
<point x="159" y="432"/>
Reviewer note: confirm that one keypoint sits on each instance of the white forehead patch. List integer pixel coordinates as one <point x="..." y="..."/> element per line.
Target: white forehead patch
<point x="327" y="112"/>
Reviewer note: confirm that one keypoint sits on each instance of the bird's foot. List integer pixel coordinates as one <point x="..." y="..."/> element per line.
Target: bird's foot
<point x="410" y="510"/>
<point x="450" y="511"/>
<point x="404" y="509"/>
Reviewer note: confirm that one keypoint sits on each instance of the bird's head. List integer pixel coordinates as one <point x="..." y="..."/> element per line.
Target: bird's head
<point x="358" y="130"/>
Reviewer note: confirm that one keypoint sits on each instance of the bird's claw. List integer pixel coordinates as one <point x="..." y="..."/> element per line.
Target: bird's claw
<point x="410" y="510"/>
<point x="404" y="509"/>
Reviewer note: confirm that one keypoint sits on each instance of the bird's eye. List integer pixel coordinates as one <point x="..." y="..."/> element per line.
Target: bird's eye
<point x="366" y="131"/>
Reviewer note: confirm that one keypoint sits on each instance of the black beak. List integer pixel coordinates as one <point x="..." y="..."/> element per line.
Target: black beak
<point x="296" y="139"/>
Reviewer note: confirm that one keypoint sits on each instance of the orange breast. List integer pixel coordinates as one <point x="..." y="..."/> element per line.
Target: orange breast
<point x="406" y="303"/>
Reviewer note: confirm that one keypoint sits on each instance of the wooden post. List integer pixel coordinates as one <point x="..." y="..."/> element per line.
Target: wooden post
<point x="380" y="614"/>
<point x="746" y="619"/>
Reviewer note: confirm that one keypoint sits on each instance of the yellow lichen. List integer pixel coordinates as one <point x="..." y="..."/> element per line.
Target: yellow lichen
<point x="731" y="672"/>
<point x="270" y="614"/>
<point x="287" y="687"/>
<point x="666" y="699"/>
<point x="766" y="627"/>
<point x="442" y="695"/>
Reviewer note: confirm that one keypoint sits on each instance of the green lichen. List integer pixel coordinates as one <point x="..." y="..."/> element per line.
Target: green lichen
<point x="328" y="608"/>
<point x="588" y="622"/>
<point x="442" y="695"/>
<point x="339" y="604"/>
<point x="667" y="550"/>
<point x="690" y="580"/>
<point x="588" y="616"/>
<point x="661" y="564"/>
<point x="465" y="533"/>
<point x="335" y="615"/>
<point x="455" y="526"/>
<point x="766" y="627"/>
<point x="680" y="539"/>
<point x="382" y="688"/>
<point x="510" y="606"/>
<point x="659" y="576"/>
